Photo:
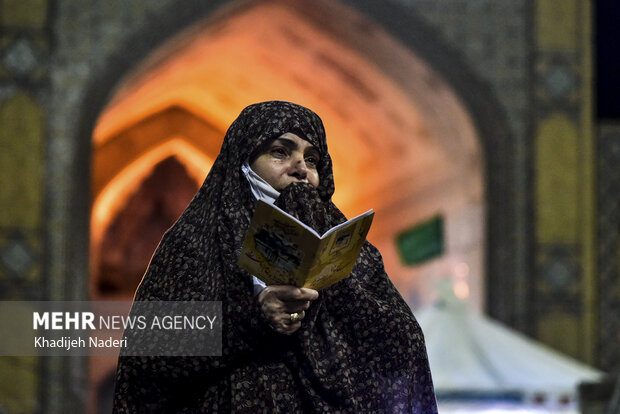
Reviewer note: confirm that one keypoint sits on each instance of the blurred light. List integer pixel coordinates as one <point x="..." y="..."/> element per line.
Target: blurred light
<point x="461" y="289"/>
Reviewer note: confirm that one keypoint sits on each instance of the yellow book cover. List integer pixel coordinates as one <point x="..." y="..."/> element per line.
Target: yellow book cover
<point x="281" y="250"/>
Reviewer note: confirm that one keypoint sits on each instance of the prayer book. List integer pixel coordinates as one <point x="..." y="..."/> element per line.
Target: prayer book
<point x="281" y="250"/>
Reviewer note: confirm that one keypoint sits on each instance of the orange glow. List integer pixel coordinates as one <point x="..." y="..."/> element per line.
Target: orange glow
<point x="115" y="194"/>
<point x="271" y="52"/>
<point x="461" y="289"/>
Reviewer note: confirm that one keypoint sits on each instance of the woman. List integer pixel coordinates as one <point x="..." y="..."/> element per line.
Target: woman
<point x="353" y="347"/>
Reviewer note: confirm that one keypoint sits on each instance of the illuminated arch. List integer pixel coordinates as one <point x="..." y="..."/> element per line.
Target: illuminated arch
<point x="116" y="192"/>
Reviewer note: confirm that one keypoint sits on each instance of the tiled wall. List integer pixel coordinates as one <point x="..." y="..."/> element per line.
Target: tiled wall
<point x="25" y="45"/>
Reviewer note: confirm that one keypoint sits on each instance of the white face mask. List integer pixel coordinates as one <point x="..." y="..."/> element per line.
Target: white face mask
<point x="261" y="189"/>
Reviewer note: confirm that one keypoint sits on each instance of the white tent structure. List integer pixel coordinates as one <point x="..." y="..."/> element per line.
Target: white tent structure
<point x="481" y="364"/>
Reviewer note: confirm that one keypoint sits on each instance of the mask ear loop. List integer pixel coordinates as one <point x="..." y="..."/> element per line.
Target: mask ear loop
<point x="261" y="189"/>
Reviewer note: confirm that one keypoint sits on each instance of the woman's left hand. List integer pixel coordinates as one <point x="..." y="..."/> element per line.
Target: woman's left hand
<point x="284" y="306"/>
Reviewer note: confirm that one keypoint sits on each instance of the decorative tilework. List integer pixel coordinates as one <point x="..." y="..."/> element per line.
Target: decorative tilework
<point x="21" y="58"/>
<point x="17" y="256"/>
<point x="20" y="265"/>
<point x="560" y="271"/>
<point x="564" y="187"/>
<point x="24" y="48"/>
<point x="559" y="81"/>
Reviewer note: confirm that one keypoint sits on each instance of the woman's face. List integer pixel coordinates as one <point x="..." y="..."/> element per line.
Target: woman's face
<point x="287" y="159"/>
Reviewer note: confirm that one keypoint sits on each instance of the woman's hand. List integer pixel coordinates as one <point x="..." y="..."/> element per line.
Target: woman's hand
<point x="284" y="306"/>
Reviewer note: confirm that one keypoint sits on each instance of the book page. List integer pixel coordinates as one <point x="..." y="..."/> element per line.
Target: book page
<point x="346" y="223"/>
<point x="277" y="249"/>
<point x="338" y="253"/>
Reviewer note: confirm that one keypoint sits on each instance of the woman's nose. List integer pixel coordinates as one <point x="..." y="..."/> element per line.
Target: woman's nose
<point x="300" y="169"/>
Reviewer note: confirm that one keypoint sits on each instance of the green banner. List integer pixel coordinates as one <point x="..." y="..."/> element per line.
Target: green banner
<point x="422" y="242"/>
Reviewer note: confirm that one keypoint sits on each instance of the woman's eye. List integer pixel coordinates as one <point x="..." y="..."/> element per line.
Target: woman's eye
<point x="312" y="161"/>
<point x="279" y="152"/>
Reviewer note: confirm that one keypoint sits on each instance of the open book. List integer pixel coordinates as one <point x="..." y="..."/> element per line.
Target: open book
<point x="281" y="250"/>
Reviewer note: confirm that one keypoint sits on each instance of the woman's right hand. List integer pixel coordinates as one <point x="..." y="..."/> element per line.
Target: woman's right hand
<point x="280" y="303"/>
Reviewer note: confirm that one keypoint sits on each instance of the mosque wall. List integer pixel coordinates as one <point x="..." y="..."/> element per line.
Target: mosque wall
<point x="537" y="56"/>
<point x="565" y="300"/>
<point x="59" y="60"/>
<point x="25" y="49"/>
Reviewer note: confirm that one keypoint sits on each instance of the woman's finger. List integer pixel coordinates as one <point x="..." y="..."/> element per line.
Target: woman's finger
<point x="292" y="307"/>
<point x="291" y="293"/>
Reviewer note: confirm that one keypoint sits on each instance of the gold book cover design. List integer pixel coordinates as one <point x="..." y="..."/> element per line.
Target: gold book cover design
<point x="281" y="250"/>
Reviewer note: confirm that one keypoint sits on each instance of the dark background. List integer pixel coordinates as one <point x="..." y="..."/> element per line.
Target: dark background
<point x="608" y="59"/>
